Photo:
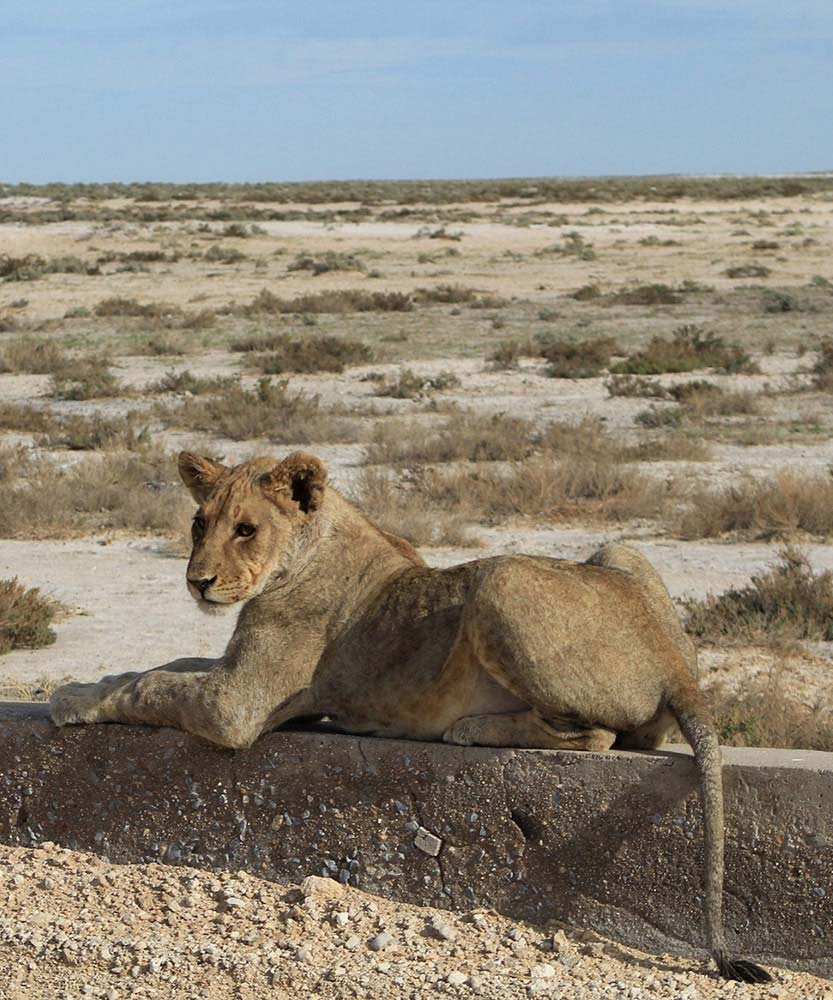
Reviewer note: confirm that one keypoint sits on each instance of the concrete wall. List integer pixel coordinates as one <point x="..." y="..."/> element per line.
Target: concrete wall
<point x="608" y="841"/>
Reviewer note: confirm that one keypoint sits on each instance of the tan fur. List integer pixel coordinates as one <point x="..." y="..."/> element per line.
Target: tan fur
<point x="342" y="619"/>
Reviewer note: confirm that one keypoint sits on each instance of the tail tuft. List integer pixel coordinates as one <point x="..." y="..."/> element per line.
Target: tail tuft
<point x="741" y="971"/>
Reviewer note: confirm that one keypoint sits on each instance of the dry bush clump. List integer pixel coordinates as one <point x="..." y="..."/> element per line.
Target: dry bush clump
<point x="138" y="492"/>
<point x="401" y="508"/>
<point x="467" y="437"/>
<point x="118" y="306"/>
<point x="647" y="295"/>
<point x="75" y="431"/>
<point x="635" y="387"/>
<point x="688" y="349"/>
<point x="14" y="689"/>
<point x="763" y="713"/>
<point x="336" y="301"/>
<point x="573" y="244"/>
<point x="776" y="508"/>
<point x="269" y="410"/>
<point x="328" y="261"/>
<point x="319" y="353"/>
<point x="788" y="602"/>
<point x="704" y="399"/>
<point x="447" y="294"/>
<point x="408" y="385"/>
<point x="507" y="355"/>
<point x="26" y="617"/>
<point x="823" y="368"/>
<point x="34" y="357"/>
<point x="583" y="359"/>
<point x="86" y="377"/>
<point x="27" y="268"/>
<point x="186" y="381"/>
<point x="674" y="447"/>
<point x="659" y="416"/>
<point x="747" y="271"/>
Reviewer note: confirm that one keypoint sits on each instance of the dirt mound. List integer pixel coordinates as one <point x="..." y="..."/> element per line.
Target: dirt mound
<point x="75" y="927"/>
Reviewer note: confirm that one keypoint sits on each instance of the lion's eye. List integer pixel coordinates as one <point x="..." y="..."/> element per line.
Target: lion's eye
<point x="244" y="530"/>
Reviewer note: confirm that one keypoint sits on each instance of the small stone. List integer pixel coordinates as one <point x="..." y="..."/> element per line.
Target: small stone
<point x="341" y="919"/>
<point x="321" y="888"/>
<point x="442" y="929"/>
<point x="380" y="941"/>
<point x="542" y="971"/>
<point x="234" y="902"/>
<point x="352" y="942"/>
<point x="427" y="842"/>
<point x="303" y="954"/>
<point x="456" y="978"/>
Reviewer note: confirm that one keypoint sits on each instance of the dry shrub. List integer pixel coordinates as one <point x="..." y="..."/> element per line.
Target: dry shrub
<point x="328" y="261"/>
<point x="309" y="354"/>
<point x="763" y="713"/>
<point x="507" y="354"/>
<point x="789" y="601"/>
<point x="186" y="381"/>
<point x="659" y="416"/>
<point x="87" y="377"/>
<point x="747" y="271"/>
<point x="346" y="300"/>
<point x="585" y="487"/>
<point x="647" y="295"/>
<point x="635" y="387"/>
<point x="823" y="368"/>
<point x="14" y="689"/>
<point x="35" y="357"/>
<point x="119" y="306"/>
<point x="268" y="410"/>
<point x="468" y="437"/>
<point x="448" y="294"/>
<point x="77" y="432"/>
<point x="774" y="508"/>
<point x="25" y="617"/>
<point x="717" y="402"/>
<point x="408" y="385"/>
<point x="402" y="508"/>
<point x="674" y="447"/>
<point x="583" y="359"/>
<point x="27" y="268"/>
<point x="138" y="492"/>
<point x="689" y="348"/>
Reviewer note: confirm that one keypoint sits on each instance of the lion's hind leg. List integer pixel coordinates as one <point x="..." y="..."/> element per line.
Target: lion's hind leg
<point x="527" y="729"/>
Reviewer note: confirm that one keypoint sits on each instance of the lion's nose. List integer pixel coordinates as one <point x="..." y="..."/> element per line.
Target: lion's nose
<point x="203" y="584"/>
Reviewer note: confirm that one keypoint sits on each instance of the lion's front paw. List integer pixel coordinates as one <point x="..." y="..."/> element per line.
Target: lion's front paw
<point x="74" y="703"/>
<point x="463" y="733"/>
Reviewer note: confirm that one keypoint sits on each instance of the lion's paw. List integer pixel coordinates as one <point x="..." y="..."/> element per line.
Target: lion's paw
<point x="463" y="733"/>
<point x="76" y="703"/>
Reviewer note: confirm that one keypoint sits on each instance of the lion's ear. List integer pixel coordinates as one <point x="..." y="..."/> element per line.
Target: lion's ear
<point x="301" y="476"/>
<point x="199" y="474"/>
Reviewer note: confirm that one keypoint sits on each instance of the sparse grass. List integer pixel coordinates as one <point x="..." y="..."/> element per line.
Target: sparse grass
<point x="748" y="271"/>
<point x="823" y="368"/>
<point x="86" y="377"/>
<point x="764" y="713"/>
<point x="688" y="349"/>
<point x="269" y="410"/>
<point x="466" y="437"/>
<point x="659" y="416"/>
<point x="329" y="261"/>
<point x="408" y="385"/>
<point x="704" y="399"/>
<point x="647" y="295"/>
<point x="781" y="507"/>
<point x="317" y="353"/>
<point x="27" y="268"/>
<point x="35" y="357"/>
<point x="186" y="381"/>
<point x="673" y="447"/>
<point x="224" y="255"/>
<point x="335" y="301"/>
<point x="137" y="492"/>
<point x="448" y="294"/>
<point x="573" y="244"/>
<point x="118" y="306"/>
<point x="635" y="387"/>
<point x="583" y="359"/>
<point x="13" y="689"/>
<point x="76" y="431"/>
<point x="787" y="602"/>
<point x="25" y="617"/>
<point x="401" y="508"/>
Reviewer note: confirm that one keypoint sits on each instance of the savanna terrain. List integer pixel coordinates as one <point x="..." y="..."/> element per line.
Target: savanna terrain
<point x="486" y="367"/>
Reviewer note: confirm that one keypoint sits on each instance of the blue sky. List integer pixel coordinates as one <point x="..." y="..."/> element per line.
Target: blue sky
<point x="248" y="90"/>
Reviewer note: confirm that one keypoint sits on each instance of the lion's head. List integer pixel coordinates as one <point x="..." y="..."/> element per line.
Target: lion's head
<point x="248" y="521"/>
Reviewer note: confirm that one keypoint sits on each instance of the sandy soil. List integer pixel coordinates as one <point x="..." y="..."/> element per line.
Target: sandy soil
<point x="74" y="926"/>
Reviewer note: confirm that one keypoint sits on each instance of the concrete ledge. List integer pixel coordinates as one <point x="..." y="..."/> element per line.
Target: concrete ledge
<point x="608" y="841"/>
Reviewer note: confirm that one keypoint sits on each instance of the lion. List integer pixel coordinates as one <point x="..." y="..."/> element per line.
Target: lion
<point x="343" y="620"/>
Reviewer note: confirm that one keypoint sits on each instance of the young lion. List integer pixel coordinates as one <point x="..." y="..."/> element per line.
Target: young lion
<point x="344" y="620"/>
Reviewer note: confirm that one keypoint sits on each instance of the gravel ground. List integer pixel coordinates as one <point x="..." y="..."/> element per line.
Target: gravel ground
<point x="75" y="927"/>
